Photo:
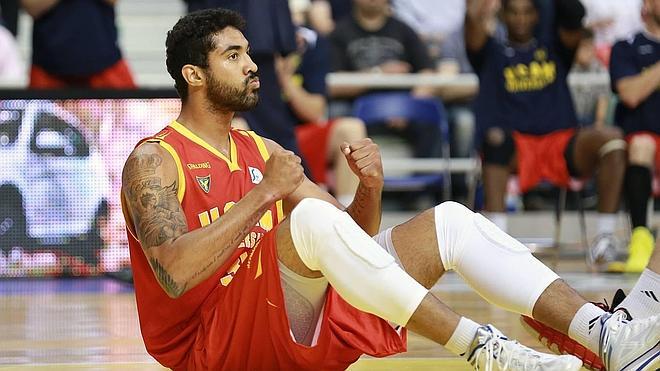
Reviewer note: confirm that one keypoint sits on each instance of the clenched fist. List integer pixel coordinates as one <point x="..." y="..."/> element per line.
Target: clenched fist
<point x="283" y="173"/>
<point x="364" y="159"/>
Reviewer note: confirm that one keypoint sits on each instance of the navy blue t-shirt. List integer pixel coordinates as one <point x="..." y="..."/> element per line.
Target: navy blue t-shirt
<point x="76" y="38"/>
<point x="523" y="89"/>
<point x="630" y="57"/>
<point x="314" y="65"/>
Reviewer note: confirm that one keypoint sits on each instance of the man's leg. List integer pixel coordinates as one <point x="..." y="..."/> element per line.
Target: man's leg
<point x="369" y="279"/>
<point x="601" y="152"/>
<point x="344" y="129"/>
<point x="638" y="186"/>
<point x="499" y="268"/>
<point x="499" y="161"/>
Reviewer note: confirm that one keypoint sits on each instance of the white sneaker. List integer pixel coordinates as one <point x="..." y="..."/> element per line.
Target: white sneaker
<point x="602" y="251"/>
<point x="490" y="350"/>
<point x="630" y="345"/>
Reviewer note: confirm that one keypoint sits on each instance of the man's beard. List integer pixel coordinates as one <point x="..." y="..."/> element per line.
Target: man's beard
<point x="225" y="98"/>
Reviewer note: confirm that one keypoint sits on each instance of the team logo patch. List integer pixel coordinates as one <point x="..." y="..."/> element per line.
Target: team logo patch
<point x="204" y="182"/>
<point x="255" y="175"/>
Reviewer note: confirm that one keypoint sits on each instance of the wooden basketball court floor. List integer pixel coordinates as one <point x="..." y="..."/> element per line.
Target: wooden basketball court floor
<point x="91" y="324"/>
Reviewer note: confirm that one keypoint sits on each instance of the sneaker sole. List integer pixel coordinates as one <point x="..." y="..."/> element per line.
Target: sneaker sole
<point x="587" y="357"/>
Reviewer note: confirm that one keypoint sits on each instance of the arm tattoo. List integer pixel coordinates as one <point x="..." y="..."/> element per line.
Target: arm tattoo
<point x="155" y="208"/>
<point x="168" y="283"/>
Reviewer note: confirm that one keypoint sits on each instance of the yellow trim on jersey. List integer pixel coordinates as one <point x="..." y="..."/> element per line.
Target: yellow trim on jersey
<point x="179" y="169"/>
<point x="280" y="211"/>
<point x="260" y="145"/>
<point x="231" y="163"/>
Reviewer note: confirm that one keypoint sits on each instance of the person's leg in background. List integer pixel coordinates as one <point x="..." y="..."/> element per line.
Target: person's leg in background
<point x="638" y="188"/>
<point x="271" y="118"/>
<point x="349" y="130"/>
<point x="601" y="152"/>
<point x="498" y="151"/>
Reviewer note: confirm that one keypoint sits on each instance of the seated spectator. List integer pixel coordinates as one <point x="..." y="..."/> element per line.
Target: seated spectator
<point x="324" y="13"/>
<point x="12" y="67"/>
<point x="525" y="116"/>
<point x="591" y="100"/>
<point x="441" y="29"/>
<point x="74" y="43"/>
<point x="370" y="40"/>
<point x="302" y="77"/>
<point x="635" y="77"/>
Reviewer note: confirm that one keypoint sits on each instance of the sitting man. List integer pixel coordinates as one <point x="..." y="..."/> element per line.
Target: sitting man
<point x="635" y="76"/>
<point x="241" y="263"/>
<point x="526" y="118"/>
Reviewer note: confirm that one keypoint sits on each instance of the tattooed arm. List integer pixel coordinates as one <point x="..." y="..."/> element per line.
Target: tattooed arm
<point x="181" y="259"/>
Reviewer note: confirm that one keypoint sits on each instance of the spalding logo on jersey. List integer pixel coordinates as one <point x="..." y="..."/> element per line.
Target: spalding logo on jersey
<point x="204" y="182"/>
<point x="255" y="175"/>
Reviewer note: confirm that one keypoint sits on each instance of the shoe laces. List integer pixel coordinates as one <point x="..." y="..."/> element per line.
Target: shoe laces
<point x="611" y="324"/>
<point x="495" y="352"/>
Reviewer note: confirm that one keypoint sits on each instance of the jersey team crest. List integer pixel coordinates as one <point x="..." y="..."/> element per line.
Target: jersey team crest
<point x="255" y="175"/>
<point x="204" y="182"/>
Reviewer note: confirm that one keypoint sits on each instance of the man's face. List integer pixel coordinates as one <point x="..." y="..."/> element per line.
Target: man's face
<point x="232" y="83"/>
<point x="372" y="6"/>
<point x="520" y="17"/>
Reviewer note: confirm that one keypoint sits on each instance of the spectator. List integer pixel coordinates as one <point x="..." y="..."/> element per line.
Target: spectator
<point x="74" y="43"/>
<point x="591" y="100"/>
<point x="525" y="116"/>
<point x="372" y="41"/>
<point x="271" y="33"/>
<point x="12" y="67"/>
<point x="635" y="77"/>
<point x="612" y="20"/>
<point x="302" y="76"/>
<point x="324" y="13"/>
<point x="441" y="29"/>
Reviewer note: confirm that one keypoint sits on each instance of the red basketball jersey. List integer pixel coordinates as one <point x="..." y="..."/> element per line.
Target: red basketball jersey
<point x="236" y="319"/>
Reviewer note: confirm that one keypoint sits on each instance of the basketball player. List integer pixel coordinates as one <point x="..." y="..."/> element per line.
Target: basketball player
<point x="241" y="263"/>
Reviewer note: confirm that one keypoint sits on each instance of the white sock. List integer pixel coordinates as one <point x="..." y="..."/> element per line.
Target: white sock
<point x="644" y="299"/>
<point x="499" y="219"/>
<point x="460" y="340"/>
<point x="585" y="326"/>
<point x="606" y="223"/>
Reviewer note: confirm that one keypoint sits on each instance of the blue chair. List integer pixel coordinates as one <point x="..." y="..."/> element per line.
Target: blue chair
<point x="377" y="108"/>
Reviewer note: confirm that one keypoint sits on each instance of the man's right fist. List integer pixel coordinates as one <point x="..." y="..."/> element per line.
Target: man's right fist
<point x="283" y="173"/>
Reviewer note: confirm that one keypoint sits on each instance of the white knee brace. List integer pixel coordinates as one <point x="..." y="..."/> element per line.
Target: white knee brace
<point x="500" y="268"/>
<point x="366" y="276"/>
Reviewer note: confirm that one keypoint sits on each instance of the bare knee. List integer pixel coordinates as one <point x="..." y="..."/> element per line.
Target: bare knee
<point x="641" y="150"/>
<point x="349" y="129"/>
<point x="498" y="147"/>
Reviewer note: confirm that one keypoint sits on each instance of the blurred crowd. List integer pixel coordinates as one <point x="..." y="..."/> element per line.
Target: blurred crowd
<point x="523" y="118"/>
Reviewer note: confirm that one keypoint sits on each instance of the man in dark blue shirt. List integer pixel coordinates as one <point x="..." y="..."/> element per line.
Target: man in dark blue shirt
<point x="635" y="77"/>
<point x="74" y="43"/>
<point x="525" y="116"/>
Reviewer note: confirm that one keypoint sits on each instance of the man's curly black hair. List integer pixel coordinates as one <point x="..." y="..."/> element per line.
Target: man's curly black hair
<point x="191" y="40"/>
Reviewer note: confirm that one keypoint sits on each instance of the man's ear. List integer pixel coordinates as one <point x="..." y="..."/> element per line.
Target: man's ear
<point x="194" y="75"/>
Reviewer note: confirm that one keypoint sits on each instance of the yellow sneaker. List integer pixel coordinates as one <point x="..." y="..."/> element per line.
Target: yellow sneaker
<point x="640" y="248"/>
